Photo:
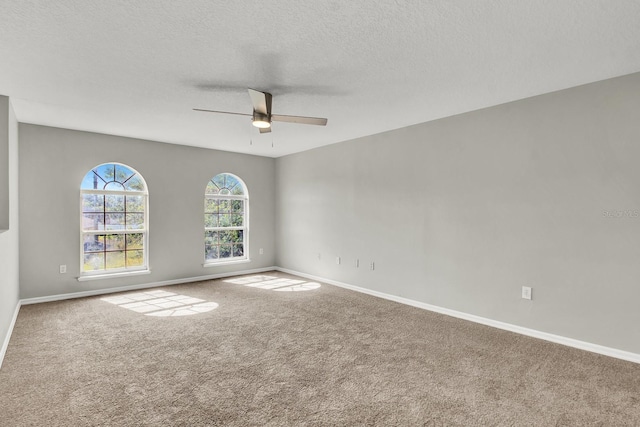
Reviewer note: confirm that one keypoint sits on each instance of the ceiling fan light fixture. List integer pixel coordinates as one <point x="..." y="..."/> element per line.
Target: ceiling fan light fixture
<point x="261" y="120"/>
<point x="262" y="124"/>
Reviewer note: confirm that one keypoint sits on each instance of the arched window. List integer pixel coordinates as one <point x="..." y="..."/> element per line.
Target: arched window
<point x="226" y="220"/>
<point x="114" y="222"/>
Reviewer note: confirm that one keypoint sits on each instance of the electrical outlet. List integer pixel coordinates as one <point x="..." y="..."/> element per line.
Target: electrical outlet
<point x="261" y="251"/>
<point x="357" y="263"/>
<point x="338" y="260"/>
<point x="526" y="292"/>
<point x="63" y="269"/>
<point x="372" y="266"/>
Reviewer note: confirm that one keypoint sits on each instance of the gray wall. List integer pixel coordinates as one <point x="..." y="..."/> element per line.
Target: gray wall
<point x="5" y="106"/>
<point x="462" y="212"/>
<point x="9" y="283"/>
<point x="52" y="164"/>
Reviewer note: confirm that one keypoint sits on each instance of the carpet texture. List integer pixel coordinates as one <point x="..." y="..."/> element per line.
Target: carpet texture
<point x="274" y="350"/>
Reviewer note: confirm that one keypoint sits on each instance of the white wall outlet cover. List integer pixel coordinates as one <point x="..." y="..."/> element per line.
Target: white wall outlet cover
<point x="526" y="292"/>
<point x="63" y="269"/>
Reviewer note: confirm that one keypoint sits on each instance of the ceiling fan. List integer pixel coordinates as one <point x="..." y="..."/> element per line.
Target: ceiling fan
<point x="262" y="116"/>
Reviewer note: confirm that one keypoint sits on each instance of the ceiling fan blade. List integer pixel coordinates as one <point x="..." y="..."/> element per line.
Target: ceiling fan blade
<point x="222" y="112"/>
<point x="299" y="119"/>
<point x="261" y="101"/>
<point x="265" y="130"/>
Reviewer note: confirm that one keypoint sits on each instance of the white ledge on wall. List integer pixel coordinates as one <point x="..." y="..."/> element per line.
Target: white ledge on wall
<point x="237" y="261"/>
<point x="112" y="275"/>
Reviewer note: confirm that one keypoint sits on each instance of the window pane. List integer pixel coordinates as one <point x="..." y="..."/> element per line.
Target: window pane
<point x="210" y="220"/>
<point x="231" y="181"/>
<point x="231" y="236"/>
<point x="134" y="184"/>
<point x="211" y="252"/>
<point x="238" y="250"/>
<point x="212" y="188"/>
<point x="135" y="203"/>
<point x="236" y="220"/>
<point x="114" y="186"/>
<point x="225" y="206"/>
<point x="210" y="205"/>
<point x="225" y="251"/>
<point x="115" y="242"/>
<point x="115" y="259"/>
<point x="93" y="242"/>
<point x="122" y="173"/>
<point x="135" y="258"/>
<point x="219" y="180"/>
<point x="224" y="220"/>
<point x="93" y="262"/>
<point x="237" y="206"/>
<point x="92" y="203"/>
<point x="91" y="221"/>
<point x="237" y="190"/>
<point x="105" y="172"/>
<point x="92" y="182"/>
<point x="226" y="236"/>
<point x="114" y="221"/>
<point x="114" y="203"/>
<point x="210" y="237"/>
<point x="135" y="221"/>
<point x="135" y="241"/>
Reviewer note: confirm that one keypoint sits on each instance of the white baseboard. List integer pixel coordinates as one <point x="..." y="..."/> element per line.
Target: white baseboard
<point x="5" y="343"/>
<point x="582" y="345"/>
<point x="82" y="294"/>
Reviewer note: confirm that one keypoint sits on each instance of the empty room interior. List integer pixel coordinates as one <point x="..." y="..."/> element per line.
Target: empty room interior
<point x="320" y="213"/>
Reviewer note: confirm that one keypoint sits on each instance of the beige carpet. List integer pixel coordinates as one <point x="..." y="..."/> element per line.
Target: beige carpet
<point x="277" y="350"/>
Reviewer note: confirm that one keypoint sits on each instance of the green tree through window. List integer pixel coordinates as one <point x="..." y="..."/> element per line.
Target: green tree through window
<point x="114" y="203"/>
<point x="226" y="207"/>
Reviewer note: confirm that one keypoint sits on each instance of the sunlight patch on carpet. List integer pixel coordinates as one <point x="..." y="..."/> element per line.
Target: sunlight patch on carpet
<point x="273" y="283"/>
<point x="161" y="303"/>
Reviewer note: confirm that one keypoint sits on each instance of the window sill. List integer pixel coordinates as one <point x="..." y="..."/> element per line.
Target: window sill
<point x="237" y="261"/>
<point x="112" y="275"/>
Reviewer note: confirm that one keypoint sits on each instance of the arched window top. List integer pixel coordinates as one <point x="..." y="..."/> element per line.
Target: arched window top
<point x="113" y="177"/>
<point x="226" y="184"/>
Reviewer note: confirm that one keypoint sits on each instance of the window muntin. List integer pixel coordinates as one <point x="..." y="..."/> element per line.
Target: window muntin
<point x="226" y="207"/>
<point x="114" y="218"/>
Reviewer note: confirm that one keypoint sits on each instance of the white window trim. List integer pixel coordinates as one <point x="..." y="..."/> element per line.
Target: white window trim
<point x="120" y="272"/>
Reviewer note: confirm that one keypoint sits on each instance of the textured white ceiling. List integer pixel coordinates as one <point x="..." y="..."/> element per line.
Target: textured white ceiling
<point x="137" y="67"/>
